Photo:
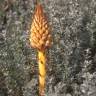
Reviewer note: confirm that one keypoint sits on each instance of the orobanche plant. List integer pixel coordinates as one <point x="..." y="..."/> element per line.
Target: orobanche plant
<point x="40" y="38"/>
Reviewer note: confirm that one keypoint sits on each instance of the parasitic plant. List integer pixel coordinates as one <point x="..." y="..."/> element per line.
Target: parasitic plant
<point x="40" y="38"/>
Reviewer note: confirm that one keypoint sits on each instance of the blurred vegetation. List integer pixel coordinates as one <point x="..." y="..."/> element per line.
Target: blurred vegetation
<point x="71" y="68"/>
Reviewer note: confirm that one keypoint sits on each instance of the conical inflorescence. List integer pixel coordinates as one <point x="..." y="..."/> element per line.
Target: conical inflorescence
<point x="40" y="37"/>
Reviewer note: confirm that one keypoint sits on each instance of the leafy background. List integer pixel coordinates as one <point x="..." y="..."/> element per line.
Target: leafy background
<point x="71" y="66"/>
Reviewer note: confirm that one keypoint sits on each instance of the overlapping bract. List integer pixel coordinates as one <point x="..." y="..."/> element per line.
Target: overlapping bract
<point x="40" y="36"/>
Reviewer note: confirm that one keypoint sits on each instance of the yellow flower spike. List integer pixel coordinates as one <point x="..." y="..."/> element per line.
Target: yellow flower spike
<point x="40" y="38"/>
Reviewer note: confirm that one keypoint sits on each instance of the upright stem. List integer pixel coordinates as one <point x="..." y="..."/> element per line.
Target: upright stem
<point x="42" y="71"/>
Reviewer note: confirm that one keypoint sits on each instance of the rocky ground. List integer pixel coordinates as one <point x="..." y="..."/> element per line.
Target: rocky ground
<point x="71" y="66"/>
